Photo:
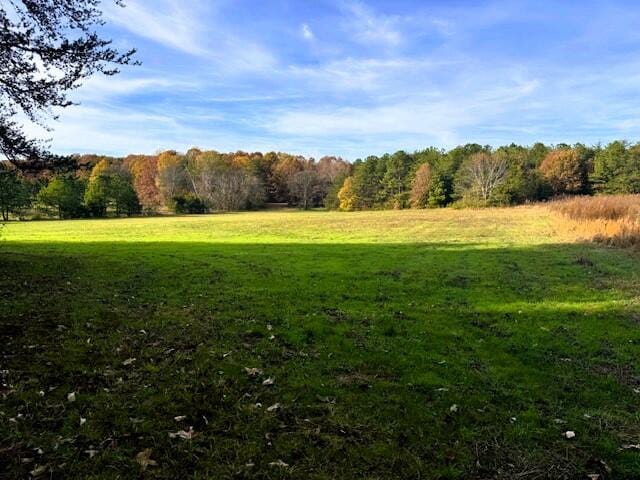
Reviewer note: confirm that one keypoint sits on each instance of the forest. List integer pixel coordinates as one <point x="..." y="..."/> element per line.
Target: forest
<point x="200" y="181"/>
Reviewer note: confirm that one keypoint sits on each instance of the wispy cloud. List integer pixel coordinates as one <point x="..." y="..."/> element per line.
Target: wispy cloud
<point x="370" y="27"/>
<point x="193" y="28"/>
<point x="171" y="23"/>
<point x="436" y="117"/>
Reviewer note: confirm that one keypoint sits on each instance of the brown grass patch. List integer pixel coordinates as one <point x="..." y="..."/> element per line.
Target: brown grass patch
<point x="613" y="220"/>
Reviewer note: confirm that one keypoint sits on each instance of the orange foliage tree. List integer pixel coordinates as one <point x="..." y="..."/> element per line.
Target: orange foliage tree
<point x="564" y="171"/>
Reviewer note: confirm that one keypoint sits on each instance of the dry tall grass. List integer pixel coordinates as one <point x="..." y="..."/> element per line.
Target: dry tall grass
<point x="614" y="220"/>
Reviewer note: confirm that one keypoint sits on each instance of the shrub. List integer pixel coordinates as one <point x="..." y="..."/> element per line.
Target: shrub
<point x="188" y="204"/>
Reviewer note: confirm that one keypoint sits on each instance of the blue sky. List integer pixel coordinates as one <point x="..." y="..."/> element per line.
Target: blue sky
<point x="361" y="77"/>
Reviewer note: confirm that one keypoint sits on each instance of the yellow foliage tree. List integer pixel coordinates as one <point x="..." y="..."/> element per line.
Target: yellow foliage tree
<point x="347" y="195"/>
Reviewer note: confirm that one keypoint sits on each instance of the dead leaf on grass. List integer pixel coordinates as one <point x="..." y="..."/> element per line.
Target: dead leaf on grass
<point x="183" y="434"/>
<point x="145" y="460"/>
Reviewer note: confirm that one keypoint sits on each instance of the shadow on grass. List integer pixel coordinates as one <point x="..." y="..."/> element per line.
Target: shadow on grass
<point x="371" y="346"/>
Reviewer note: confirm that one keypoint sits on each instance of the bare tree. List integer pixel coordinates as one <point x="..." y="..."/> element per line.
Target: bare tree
<point x="170" y="178"/>
<point x="480" y="175"/>
<point x="304" y="187"/>
<point x="234" y="189"/>
<point x="222" y="185"/>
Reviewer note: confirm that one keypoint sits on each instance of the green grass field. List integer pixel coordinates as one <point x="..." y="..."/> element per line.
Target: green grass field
<point x="412" y="344"/>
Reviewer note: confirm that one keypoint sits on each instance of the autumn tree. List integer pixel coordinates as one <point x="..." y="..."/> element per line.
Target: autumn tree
<point x="111" y="185"/>
<point x="221" y="184"/>
<point x="347" y="196"/>
<point x="282" y="173"/>
<point x="331" y="200"/>
<point x="564" y="171"/>
<point x="479" y="177"/>
<point x="330" y="168"/>
<point x="47" y="47"/>
<point x="145" y="170"/>
<point x="421" y="186"/>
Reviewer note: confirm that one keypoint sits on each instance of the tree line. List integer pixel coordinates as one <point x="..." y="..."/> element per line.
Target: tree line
<point x="203" y="181"/>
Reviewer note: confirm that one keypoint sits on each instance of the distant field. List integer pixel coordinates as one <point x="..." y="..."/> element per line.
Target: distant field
<point x="410" y="344"/>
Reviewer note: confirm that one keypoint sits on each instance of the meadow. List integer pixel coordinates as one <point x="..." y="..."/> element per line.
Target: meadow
<point x="393" y="344"/>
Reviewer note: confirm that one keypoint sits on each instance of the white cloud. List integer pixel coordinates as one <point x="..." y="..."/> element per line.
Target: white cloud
<point x="307" y="33"/>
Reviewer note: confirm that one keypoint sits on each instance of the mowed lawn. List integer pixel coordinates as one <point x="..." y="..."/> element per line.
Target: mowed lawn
<point x="411" y="344"/>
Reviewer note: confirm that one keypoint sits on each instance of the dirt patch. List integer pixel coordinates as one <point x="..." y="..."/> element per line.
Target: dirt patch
<point x="354" y="379"/>
<point x="624" y="374"/>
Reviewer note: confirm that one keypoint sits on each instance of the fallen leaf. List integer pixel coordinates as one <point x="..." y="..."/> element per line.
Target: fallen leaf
<point x="91" y="452"/>
<point x="71" y="397"/>
<point x="128" y="361"/>
<point x="179" y="418"/>
<point x="36" y="472"/>
<point x="82" y="421"/>
<point x="325" y="399"/>
<point x="145" y="460"/>
<point x="274" y="407"/>
<point x="253" y="372"/>
<point x="279" y="463"/>
<point x="569" y="434"/>
<point x="453" y="408"/>
<point x="183" y="434"/>
<point x="631" y="447"/>
<point x="269" y="381"/>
